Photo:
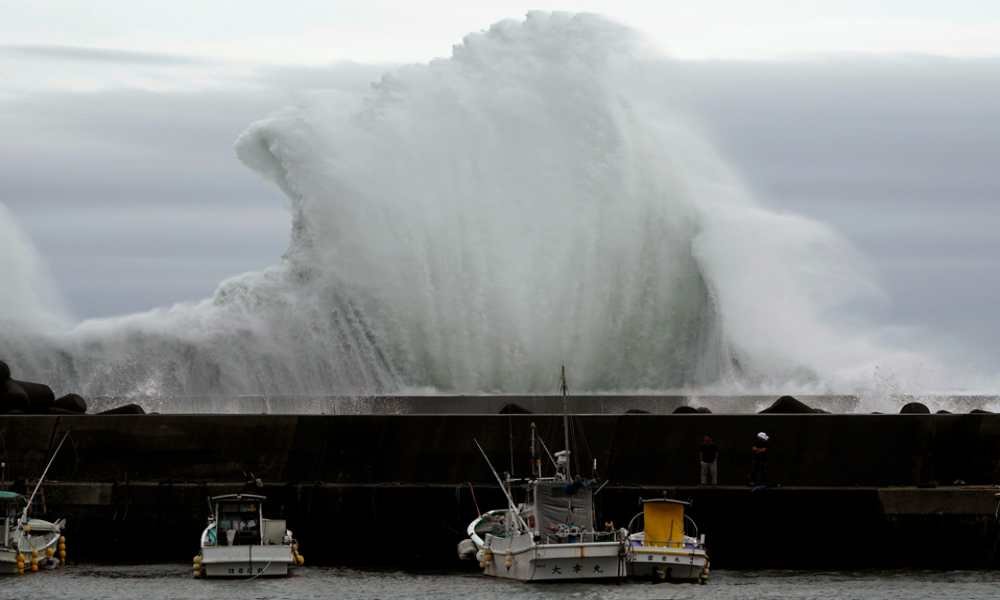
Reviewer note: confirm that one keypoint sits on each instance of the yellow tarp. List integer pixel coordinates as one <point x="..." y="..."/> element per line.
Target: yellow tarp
<point x="664" y="523"/>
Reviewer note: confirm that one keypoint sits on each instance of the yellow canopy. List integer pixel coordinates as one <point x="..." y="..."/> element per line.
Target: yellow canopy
<point x="663" y="522"/>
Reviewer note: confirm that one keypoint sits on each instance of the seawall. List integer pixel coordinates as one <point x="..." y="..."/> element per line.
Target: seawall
<point x="398" y="490"/>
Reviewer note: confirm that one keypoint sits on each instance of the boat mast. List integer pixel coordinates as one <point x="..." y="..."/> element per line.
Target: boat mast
<point x="565" y="408"/>
<point x="536" y="463"/>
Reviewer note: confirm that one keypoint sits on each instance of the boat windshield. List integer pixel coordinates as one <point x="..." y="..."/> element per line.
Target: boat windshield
<point x="238" y="523"/>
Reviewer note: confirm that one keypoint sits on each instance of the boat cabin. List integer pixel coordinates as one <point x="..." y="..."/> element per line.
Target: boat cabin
<point x="663" y="522"/>
<point x="563" y="511"/>
<point x="238" y="519"/>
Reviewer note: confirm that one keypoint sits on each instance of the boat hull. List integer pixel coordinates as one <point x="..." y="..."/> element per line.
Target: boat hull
<point x="521" y="559"/>
<point x="8" y="562"/>
<point x="667" y="565"/>
<point x="246" y="561"/>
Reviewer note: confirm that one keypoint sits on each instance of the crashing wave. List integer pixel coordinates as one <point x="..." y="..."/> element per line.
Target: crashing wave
<point x="470" y="224"/>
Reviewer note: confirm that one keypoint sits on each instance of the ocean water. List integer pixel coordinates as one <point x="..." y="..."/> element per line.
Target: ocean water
<point x="537" y="199"/>
<point x="154" y="582"/>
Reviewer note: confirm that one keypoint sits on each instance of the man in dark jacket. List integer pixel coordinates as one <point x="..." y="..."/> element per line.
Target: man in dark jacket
<point x="709" y="461"/>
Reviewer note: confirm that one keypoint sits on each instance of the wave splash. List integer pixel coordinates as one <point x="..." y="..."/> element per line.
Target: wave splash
<point x="472" y="223"/>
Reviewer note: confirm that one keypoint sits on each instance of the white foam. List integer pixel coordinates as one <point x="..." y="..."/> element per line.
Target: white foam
<point x="473" y="223"/>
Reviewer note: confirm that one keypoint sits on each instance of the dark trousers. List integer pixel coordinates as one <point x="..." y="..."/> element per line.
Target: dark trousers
<point x="758" y="470"/>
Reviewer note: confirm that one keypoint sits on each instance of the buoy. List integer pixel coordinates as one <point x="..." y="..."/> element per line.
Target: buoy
<point x="34" y="566"/>
<point x="50" y="552"/>
<point x="301" y="560"/>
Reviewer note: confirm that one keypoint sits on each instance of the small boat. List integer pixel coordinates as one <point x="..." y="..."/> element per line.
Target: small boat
<point x="663" y="550"/>
<point x="551" y="535"/>
<point x="28" y="545"/>
<point x="240" y="542"/>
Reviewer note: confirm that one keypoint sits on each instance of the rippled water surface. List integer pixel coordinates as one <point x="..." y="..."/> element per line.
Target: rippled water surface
<point x="174" y="581"/>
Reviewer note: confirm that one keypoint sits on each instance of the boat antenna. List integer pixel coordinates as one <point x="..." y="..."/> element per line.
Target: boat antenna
<point x="547" y="452"/>
<point x="510" y="501"/>
<point x="24" y="514"/>
<point x="510" y="444"/>
<point x="565" y="387"/>
<point x="536" y="463"/>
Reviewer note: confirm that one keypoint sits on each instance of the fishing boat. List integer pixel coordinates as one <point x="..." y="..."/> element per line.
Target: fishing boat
<point x="28" y="545"/>
<point x="551" y="535"/>
<point x="240" y="542"/>
<point x="663" y="549"/>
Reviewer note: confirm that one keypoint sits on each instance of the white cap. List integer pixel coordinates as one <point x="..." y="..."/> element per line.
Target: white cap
<point x="762" y="436"/>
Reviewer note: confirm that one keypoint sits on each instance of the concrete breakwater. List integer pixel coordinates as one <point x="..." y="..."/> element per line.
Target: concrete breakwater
<point x="398" y="490"/>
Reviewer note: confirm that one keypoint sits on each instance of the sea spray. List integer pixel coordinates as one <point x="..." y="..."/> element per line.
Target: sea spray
<point x="29" y="302"/>
<point x="469" y="224"/>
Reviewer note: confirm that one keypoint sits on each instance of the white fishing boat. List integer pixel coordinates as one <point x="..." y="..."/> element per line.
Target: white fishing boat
<point x="240" y="542"/>
<point x="28" y="545"/>
<point x="663" y="549"/>
<point x="551" y="535"/>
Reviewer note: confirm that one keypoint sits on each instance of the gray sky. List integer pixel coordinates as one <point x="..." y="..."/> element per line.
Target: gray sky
<point x="119" y="118"/>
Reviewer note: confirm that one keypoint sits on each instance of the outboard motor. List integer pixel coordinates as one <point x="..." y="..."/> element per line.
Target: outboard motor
<point x="466" y="550"/>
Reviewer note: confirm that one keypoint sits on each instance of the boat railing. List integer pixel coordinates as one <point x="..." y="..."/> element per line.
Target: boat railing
<point x="670" y="543"/>
<point x="581" y="537"/>
<point x="686" y="545"/>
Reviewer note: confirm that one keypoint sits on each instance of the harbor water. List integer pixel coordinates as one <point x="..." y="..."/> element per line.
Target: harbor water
<point x="173" y="581"/>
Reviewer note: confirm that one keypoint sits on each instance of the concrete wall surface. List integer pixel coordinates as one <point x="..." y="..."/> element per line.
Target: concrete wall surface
<point x="846" y="490"/>
<point x="872" y="450"/>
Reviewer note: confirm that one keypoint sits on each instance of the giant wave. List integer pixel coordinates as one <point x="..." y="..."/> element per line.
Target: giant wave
<point x="470" y="224"/>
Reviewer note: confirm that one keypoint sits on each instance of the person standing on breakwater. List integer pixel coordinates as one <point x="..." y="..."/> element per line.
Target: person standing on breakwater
<point x="758" y="460"/>
<point x="709" y="461"/>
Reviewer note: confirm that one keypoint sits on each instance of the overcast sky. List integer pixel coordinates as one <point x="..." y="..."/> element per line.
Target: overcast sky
<point x="880" y="119"/>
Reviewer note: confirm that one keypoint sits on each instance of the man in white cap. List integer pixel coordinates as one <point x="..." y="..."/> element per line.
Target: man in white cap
<point x="758" y="460"/>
